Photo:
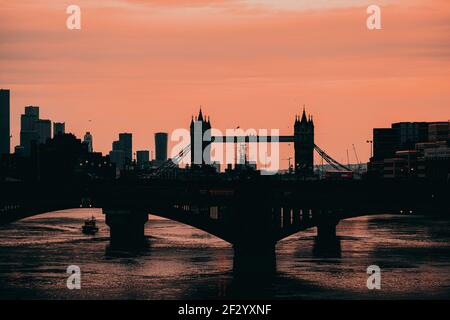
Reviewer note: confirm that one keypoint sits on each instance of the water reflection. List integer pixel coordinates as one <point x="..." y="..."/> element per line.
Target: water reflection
<point x="180" y="262"/>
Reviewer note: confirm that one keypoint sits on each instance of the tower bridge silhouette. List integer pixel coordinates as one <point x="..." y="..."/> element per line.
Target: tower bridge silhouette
<point x="303" y="139"/>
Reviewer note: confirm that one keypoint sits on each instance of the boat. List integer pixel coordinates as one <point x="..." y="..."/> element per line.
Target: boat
<point x="90" y="226"/>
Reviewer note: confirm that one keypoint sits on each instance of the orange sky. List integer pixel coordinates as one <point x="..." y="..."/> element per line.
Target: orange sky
<point x="145" y="66"/>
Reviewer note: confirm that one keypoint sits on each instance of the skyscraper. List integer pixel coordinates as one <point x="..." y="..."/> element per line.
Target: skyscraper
<point x="44" y="130"/>
<point x="28" y="130"/>
<point x="88" y="140"/>
<point x="59" y="128"/>
<point x="126" y="143"/>
<point x="33" y="129"/>
<point x="4" y="121"/>
<point x="161" y="139"/>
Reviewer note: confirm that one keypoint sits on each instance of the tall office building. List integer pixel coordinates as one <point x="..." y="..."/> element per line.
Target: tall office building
<point x="44" y="130"/>
<point x="4" y="121"/>
<point x="59" y="128"/>
<point x="33" y="129"/>
<point x="122" y="151"/>
<point x="161" y="139"/>
<point x="89" y="141"/>
<point x="28" y="130"/>
<point x="126" y="143"/>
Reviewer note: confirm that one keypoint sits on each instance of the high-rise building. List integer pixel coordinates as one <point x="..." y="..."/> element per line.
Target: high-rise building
<point x="304" y="144"/>
<point x="89" y="141"/>
<point x="59" y="128"/>
<point x="118" y="158"/>
<point x="33" y="129"/>
<point x="142" y="157"/>
<point x="28" y="129"/>
<point x="44" y="130"/>
<point x="4" y="121"/>
<point x="122" y="151"/>
<point x="161" y="140"/>
<point x="126" y="143"/>
<point x="32" y="111"/>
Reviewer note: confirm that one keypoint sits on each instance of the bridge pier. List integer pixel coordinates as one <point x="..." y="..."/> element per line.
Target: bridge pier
<point x="326" y="226"/>
<point x="326" y="229"/>
<point x="126" y="227"/>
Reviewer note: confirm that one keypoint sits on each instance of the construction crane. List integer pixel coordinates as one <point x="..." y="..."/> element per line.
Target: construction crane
<point x="357" y="160"/>
<point x="289" y="161"/>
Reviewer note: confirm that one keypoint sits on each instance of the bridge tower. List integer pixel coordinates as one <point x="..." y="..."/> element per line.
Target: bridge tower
<point x="304" y="144"/>
<point x="200" y="131"/>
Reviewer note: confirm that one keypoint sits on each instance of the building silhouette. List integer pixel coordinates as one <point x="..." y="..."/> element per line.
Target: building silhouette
<point x="4" y="121"/>
<point x="142" y="157"/>
<point x="161" y="140"/>
<point x="304" y="144"/>
<point x="44" y="130"/>
<point x="411" y="150"/>
<point x="59" y="128"/>
<point x="28" y="129"/>
<point x="88" y="140"/>
<point x="126" y="144"/>
<point x="122" y="151"/>
<point x="200" y="132"/>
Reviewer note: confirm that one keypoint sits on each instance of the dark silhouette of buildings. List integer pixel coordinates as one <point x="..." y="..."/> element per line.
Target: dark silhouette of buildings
<point x="126" y="143"/>
<point x="88" y="140"/>
<point x="66" y="158"/>
<point x="304" y="144"/>
<point x="32" y="130"/>
<point x="200" y="131"/>
<point x="142" y="158"/>
<point x="122" y="151"/>
<point x="411" y="150"/>
<point x="384" y="143"/>
<point x="4" y="121"/>
<point x="44" y="130"/>
<point x="59" y="128"/>
<point x="161" y="141"/>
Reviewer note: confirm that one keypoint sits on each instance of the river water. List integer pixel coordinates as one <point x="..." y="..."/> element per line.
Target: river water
<point x="181" y="262"/>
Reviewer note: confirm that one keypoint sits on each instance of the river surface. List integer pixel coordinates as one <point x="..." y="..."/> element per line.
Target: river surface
<point x="181" y="262"/>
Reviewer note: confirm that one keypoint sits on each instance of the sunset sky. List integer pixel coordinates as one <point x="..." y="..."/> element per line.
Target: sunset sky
<point x="144" y="66"/>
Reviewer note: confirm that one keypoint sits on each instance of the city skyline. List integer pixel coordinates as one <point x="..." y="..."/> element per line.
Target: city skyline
<point x="341" y="70"/>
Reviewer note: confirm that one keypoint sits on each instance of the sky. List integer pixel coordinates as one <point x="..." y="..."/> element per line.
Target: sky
<point x="144" y="66"/>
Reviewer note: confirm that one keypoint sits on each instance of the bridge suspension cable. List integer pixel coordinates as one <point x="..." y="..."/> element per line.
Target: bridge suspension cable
<point x="336" y="165"/>
<point x="172" y="163"/>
